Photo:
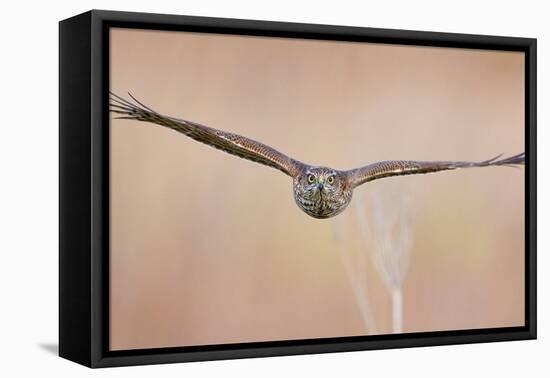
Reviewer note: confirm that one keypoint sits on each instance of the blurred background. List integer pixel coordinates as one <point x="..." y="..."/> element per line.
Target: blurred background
<point x="207" y="248"/>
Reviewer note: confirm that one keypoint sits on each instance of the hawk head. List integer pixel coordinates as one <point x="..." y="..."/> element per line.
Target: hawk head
<point x="322" y="192"/>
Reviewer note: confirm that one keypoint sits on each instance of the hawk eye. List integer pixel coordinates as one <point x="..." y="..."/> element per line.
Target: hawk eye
<point x="310" y="178"/>
<point x="330" y="180"/>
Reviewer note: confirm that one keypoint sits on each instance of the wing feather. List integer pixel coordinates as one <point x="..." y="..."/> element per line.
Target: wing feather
<point x="231" y="143"/>
<point x="389" y="168"/>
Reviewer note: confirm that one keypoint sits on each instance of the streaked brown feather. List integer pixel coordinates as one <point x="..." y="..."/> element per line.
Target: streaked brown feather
<point x="231" y="143"/>
<point x="389" y="168"/>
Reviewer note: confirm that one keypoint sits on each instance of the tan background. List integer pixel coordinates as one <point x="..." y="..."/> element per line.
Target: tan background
<point x="207" y="248"/>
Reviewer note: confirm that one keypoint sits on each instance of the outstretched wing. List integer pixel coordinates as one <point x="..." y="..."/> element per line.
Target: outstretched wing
<point x="409" y="167"/>
<point x="228" y="142"/>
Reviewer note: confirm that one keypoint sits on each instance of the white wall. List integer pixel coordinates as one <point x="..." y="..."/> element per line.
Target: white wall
<point x="28" y="207"/>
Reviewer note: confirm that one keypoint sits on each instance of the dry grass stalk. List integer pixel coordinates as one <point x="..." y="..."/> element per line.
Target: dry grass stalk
<point x="356" y="271"/>
<point x="387" y="230"/>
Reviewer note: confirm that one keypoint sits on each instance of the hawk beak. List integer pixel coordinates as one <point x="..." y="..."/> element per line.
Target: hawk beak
<point x="320" y="186"/>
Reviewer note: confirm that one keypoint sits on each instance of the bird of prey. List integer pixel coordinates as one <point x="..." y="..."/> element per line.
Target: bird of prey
<point x="320" y="192"/>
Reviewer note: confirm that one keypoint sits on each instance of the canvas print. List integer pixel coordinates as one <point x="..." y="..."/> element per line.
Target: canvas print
<point x="270" y="189"/>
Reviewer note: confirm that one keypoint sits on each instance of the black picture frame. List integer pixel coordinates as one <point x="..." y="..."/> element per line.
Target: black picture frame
<point x="84" y="187"/>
